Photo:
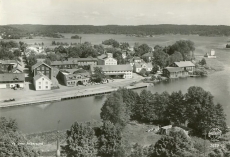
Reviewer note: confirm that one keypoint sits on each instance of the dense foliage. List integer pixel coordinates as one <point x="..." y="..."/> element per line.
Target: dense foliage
<point x="98" y="76"/>
<point x="111" y="42"/>
<point x="81" y="141"/>
<point x="12" y="142"/>
<point x="201" y="30"/>
<point x="195" y="108"/>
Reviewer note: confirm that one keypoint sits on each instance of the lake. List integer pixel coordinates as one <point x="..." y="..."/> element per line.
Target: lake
<point x="44" y="117"/>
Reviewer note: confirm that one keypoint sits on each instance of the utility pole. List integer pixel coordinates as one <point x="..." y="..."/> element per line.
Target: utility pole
<point x="58" y="144"/>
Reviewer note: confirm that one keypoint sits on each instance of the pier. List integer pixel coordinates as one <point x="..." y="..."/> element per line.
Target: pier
<point x="73" y="95"/>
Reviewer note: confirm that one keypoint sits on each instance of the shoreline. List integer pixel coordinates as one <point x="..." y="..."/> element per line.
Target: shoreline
<point x="69" y="96"/>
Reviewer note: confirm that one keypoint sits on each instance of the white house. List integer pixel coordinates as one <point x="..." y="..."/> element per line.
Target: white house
<point x="42" y="82"/>
<point x="137" y="67"/>
<point x="107" y="59"/>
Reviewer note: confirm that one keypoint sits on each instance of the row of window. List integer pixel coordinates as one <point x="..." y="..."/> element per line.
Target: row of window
<point x="41" y="87"/>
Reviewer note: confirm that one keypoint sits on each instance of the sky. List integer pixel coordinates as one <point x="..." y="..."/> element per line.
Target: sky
<point x="115" y="12"/>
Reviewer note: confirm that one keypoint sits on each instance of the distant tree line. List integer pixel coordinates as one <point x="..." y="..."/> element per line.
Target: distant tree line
<point x="201" y="30"/>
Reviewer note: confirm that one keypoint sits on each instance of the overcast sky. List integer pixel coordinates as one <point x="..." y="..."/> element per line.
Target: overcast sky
<point x="119" y="12"/>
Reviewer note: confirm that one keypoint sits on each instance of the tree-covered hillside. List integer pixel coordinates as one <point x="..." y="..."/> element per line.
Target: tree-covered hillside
<point x="202" y="30"/>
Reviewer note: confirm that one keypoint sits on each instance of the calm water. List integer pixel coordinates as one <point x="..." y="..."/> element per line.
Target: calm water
<point x="44" y="117"/>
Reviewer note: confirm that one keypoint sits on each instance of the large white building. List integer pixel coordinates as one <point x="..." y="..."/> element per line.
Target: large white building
<point x="42" y="82"/>
<point x="124" y="71"/>
<point x="107" y="59"/>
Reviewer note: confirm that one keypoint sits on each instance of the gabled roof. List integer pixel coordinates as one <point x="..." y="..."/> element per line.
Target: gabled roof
<point x="39" y="75"/>
<point x="184" y="64"/>
<point x="18" y="67"/>
<point x="107" y="68"/>
<point x="174" y="69"/>
<point x="12" y="77"/>
<point x="39" y="64"/>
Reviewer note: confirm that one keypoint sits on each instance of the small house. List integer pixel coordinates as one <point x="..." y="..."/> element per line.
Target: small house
<point x="42" y="82"/>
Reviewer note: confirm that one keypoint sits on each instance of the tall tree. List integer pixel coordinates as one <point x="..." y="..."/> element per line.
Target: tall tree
<point x="110" y="141"/>
<point x="81" y="141"/>
<point x="160" y="58"/>
<point x="115" y="110"/>
<point x="98" y="75"/>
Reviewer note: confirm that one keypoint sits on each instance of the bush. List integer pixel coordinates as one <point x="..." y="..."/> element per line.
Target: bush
<point x="201" y="72"/>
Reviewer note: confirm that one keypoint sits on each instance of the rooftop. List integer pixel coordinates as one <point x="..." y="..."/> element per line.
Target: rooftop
<point x="12" y="77"/>
<point x="184" y="64"/>
<point x="39" y="75"/>
<point x="8" y="61"/>
<point x="38" y="64"/>
<point x="82" y="59"/>
<point x="121" y="67"/>
<point x="63" y="62"/>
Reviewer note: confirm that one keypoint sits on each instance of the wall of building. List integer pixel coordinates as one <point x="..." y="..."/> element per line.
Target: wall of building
<point x="11" y="85"/>
<point x="44" y="70"/>
<point x="42" y="84"/>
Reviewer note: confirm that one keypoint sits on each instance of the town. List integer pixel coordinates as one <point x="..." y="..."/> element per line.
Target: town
<point x="114" y="78"/>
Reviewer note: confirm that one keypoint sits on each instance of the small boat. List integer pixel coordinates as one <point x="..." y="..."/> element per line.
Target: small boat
<point x="9" y="100"/>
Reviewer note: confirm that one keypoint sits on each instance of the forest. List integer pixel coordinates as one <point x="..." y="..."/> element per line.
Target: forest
<point x="18" y="31"/>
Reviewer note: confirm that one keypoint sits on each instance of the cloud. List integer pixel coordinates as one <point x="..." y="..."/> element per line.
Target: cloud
<point x="140" y="15"/>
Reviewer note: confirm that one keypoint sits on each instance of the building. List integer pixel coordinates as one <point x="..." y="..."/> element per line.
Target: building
<point x="17" y="69"/>
<point x="107" y="59"/>
<point x="148" y="55"/>
<point x="211" y="54"/>
<point x="84" y="61"/>
<point x="42" y="82"/>
<point x="7" y="65"/>
<point x="174" y="72"/>
<point x="74" y="77"/>
<point x="70" y="64"/>
<point x="43" y="68"/>
<point x="122" y="70"/>
<point x="185" y="65"/>
<point x="10" y="80"/>
<point x="137" y="67"/>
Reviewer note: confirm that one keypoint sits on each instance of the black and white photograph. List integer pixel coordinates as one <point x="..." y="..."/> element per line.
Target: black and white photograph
<point x="114" y="78"/>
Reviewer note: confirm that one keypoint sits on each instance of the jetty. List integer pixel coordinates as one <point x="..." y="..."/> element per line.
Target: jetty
<point x="68" y="95"/>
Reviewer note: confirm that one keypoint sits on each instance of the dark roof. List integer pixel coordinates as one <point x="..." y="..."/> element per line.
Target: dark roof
<point x="82" y="59"/>
<point x="63" y="62"/>
<point x="121" y="67"/>
<point x="12" y="77"/>
<point x="18" y="67"/>
<point x="174" y="69"/>
<point x="38" y="64"/>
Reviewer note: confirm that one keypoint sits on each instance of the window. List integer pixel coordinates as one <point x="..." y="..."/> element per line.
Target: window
<point x="46" y="87"/>
<point x="42" y="79"/>
<point x="39" y="87"/>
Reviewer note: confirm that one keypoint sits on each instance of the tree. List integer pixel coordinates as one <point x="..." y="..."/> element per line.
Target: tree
<point x="139" y="151"/>
<point x="185" y="47"/>
<point x="160" y="58"/>
<point x="110" y="141"/>
<point x="98" y="75"/>
<point x="81" y="141"/>
<point x="111" y="42"/>
<point x="142" y="49"/>
<point x="12" y="142"/>
<point x="115" y="111"/>
<point x="203" y="113"/>
<point x="176" y="109"/>
<point x="175" y="57"/>
<point x="176" y="144"/>
<point x="203" y="61"/>
<point x="154" y="69"/>
<point x="124" y="46"/>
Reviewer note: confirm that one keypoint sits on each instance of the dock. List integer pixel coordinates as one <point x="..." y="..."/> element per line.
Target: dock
<point x="73" y="95"/>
